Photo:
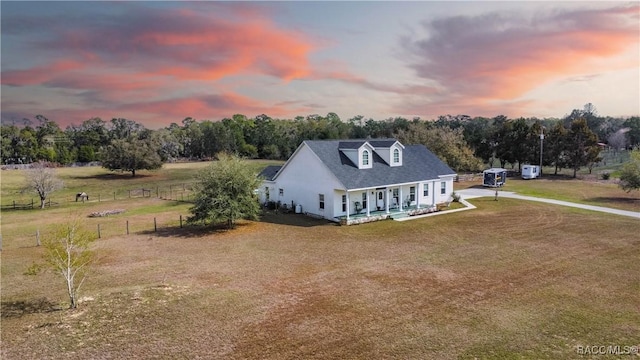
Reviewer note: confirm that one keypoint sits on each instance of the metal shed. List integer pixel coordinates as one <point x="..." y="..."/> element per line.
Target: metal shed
<point x="494" y="177"/>
<point x="530" y="171"/>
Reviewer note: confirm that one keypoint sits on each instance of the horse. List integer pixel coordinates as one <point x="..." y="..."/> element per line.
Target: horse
<point x="82" y="196"/>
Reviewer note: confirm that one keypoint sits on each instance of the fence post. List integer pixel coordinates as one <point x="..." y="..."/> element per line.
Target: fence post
<point x="32" y="203"/>
<point x="114" y="195"/>
<point x="38" y="237"/>
<point x="14" y="204"/>
<point x="155" y="225"/>
<point x="157" y="191"/>
<point x="180" y="221"/>
<point x="99" y="231"/>
<point x="129" y="193"/>
<point x="127" y="227"/>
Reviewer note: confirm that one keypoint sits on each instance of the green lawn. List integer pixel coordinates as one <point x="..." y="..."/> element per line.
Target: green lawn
<point x="510" y="279"/>
<point x="600" y="193"/>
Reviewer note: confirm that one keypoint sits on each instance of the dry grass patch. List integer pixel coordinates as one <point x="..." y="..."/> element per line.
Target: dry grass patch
<point x="510" y="279"/>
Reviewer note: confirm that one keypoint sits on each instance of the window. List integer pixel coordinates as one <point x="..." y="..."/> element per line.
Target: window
<point x="266" y="193"/>
<point x="443" y="188"/>
<point x="425" y="189"/>
<point x="364" y="200"/>
<point x="412" y="193"/>
<point x="321" y="200"/>
<point x="395" y="195"/>
<point x="280" y="192"/>
<point x="344" y="203"/>
<point x="396" y="156"/>
<point x="365" y="158"/>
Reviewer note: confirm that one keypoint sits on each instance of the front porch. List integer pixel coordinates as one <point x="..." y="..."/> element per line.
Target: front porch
<point x="393" y="213"/>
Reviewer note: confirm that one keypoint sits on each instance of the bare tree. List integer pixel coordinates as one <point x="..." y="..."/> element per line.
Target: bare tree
<point x="618" y="140"/>
<point x="67" y="252"/>
<point x="43" y="180"/>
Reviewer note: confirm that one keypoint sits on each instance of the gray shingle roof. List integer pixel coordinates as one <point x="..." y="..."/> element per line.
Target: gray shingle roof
<point x="350" y="144"/>
<point x="270" y="172"/>
<point x="383" y="143"/>
<point x="418" y="164"/>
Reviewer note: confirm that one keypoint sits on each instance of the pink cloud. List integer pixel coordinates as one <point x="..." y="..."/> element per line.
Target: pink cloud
<point x="40" y="74"/>
<point x="144" y="56"/>
<point x="185" y="44"/>
<point x="496" y="58"/>
<point x="211" y="107"/>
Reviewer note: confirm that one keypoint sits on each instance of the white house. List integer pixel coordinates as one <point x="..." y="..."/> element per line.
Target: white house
<point x="344" y="179"/>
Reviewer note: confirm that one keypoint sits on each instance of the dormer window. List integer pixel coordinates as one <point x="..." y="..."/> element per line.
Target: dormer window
<point x="396" y="156"/>
<point x="365" y="156"/>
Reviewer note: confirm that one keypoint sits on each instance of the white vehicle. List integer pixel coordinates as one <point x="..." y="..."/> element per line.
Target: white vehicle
<point x="530" y="171"/>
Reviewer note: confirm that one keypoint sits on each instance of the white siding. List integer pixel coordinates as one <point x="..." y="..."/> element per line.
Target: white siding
<point x="302" y="179"/>
<point x="440" y="198"/>
<point x="262" y="191"/>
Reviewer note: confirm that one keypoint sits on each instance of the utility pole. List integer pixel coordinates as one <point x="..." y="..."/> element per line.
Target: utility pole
<point x="541" y="143"/>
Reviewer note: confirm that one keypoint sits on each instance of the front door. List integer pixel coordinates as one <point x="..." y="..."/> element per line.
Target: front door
<point x="380" y="200"/>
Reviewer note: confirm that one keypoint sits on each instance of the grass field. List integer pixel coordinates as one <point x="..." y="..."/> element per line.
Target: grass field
<point x="510" y="279"/>
<point x="592" y="192"/>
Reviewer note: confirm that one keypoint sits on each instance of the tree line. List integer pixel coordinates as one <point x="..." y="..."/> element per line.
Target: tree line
<point x="465" y="143"/>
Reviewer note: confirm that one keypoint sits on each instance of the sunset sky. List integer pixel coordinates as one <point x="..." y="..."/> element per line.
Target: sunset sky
<point x="159" y="62"/>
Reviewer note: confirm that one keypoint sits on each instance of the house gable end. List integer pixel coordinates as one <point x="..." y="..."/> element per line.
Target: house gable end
<point x="304" y="147"/>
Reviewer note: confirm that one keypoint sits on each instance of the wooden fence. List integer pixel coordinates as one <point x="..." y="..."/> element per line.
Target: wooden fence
<point x="107" y="229"/>
<point x="125" y="227"/>
<point x="178" y="192"/>
<point x="28" y="206"/>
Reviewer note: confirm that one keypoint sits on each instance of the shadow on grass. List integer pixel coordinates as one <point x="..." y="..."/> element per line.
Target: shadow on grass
<point x="201" y="230"/>
<point x="292" y="219"/>
<point x="14" y="309"/>
<point x="111" y="176"/>
<point x="191" y="230"/>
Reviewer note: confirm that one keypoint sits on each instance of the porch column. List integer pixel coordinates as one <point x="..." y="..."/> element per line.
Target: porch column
<point x="418" y="195"/>
<point x="368" y="204"/>
<point x="386" y="198"/>
<point x="347" y="205"/>
<point x="400" y="198"/>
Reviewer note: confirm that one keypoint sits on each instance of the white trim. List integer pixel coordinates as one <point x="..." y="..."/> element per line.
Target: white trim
<point x="392" y="185"/>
